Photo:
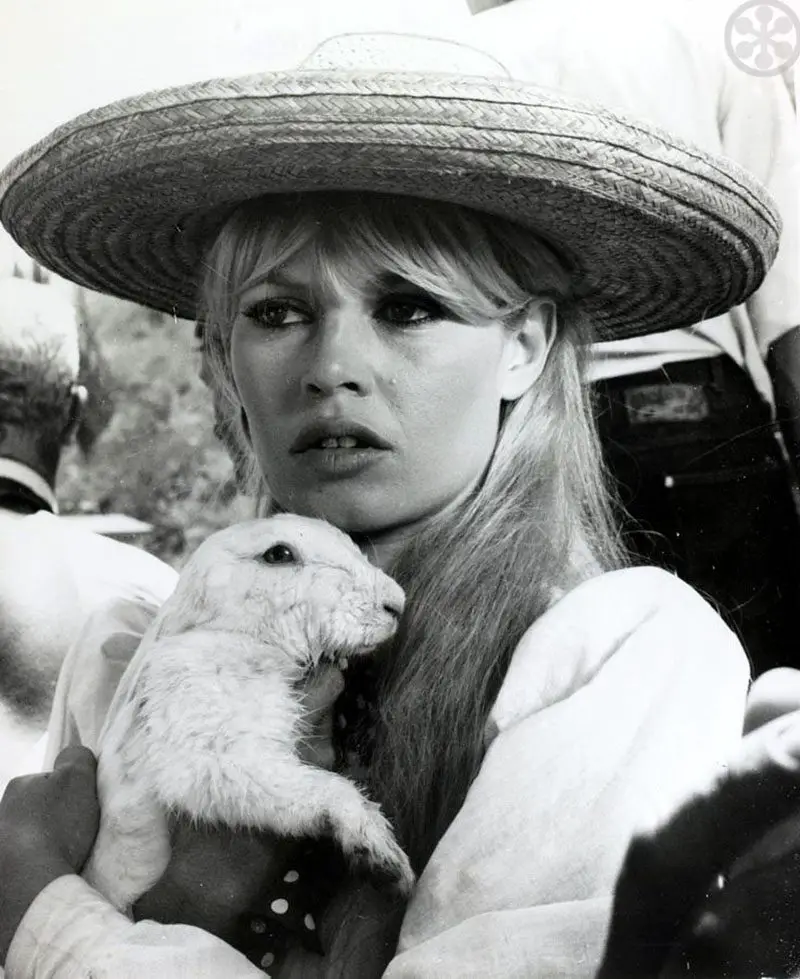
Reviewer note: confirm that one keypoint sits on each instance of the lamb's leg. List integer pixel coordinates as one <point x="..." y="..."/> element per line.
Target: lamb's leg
<point x="293" y="799"/>
<point x="364" y="833"/>
<point x="132" y="848"/>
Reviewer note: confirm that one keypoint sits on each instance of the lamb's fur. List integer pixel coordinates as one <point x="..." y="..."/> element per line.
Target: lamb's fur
<point x="207" y="718"/>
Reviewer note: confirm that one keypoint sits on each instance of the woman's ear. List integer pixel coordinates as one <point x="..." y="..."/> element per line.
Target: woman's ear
<point x="527" y="348"/>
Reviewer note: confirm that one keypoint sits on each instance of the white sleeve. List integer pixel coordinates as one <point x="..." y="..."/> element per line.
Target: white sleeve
<point x="71" y="932"/>
<point x="91" y="672"/>
<point x="637" y="705"/>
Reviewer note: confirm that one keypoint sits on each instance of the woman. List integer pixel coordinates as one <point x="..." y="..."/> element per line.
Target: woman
<point x="397" y="270"/>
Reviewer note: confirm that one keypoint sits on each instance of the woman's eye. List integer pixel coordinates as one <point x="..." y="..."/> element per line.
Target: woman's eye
<point x="409" y="311"/>
<point x="275" y="313"/>
<point x="279" y="554"/>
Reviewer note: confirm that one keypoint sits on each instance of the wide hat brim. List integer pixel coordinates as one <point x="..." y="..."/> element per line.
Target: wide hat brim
<point x="126" y="199"/>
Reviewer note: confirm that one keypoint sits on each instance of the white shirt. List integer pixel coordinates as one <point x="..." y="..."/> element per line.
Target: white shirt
<point x="48" y="565"/>
<point x="666" y="63"/>
<point x="620" y="701"/>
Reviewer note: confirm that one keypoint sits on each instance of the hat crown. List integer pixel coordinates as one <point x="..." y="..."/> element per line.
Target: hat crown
<point x="389" y="51"/>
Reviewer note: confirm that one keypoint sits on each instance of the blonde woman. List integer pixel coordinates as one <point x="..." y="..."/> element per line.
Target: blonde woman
<point x="399" y="254"/>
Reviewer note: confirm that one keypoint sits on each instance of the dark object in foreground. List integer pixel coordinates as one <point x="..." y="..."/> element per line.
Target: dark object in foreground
<point x="671" y="920"/>
<point x="751" y="926"/>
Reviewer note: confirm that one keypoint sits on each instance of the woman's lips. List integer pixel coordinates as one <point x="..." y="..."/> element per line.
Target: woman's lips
<point x="341" y="460"/>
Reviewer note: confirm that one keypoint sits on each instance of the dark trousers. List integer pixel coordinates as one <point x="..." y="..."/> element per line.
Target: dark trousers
<point x="708" y="494"/>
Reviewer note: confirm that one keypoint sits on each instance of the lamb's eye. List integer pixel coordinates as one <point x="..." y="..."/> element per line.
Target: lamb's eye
<point x="280" y="554"/>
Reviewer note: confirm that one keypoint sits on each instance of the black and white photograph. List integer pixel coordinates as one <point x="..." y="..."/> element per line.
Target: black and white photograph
<point x="399" y="489"/>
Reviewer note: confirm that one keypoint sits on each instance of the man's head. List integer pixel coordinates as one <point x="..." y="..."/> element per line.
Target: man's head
<point x="40" y="395"/>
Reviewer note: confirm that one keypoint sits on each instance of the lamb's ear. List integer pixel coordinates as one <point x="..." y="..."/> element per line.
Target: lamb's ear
<point x="192" y="602"/>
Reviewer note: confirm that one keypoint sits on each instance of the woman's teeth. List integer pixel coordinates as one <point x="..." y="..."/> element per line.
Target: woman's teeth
<point x="339" y="442"/>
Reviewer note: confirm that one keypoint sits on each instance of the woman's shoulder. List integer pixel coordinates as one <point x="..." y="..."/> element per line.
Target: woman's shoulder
<point x="634" y="618"/>
<point x="604" y="611"/>
<point x="645" y="589"/>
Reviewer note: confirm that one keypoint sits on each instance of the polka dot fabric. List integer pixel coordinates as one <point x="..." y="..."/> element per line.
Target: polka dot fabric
<point x="286" y="912"/>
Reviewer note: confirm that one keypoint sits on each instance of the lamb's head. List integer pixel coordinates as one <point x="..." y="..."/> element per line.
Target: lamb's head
<point x="292" y="581"/>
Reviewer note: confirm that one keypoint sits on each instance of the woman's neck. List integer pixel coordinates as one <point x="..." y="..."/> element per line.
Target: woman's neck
<point x="383" y="547"/>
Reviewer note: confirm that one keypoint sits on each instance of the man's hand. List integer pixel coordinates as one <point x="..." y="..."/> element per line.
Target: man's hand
<point x="48" y="823"/>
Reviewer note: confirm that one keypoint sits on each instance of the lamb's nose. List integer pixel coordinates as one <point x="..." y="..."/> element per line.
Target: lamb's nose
<point x="394" y="610"/>
<point x="393" y="599"/>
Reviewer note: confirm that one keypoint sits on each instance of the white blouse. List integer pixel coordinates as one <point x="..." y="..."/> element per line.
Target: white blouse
<point x="620" y="701"/>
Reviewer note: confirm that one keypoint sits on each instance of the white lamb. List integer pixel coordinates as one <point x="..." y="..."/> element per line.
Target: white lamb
<point x="208" y="716"/>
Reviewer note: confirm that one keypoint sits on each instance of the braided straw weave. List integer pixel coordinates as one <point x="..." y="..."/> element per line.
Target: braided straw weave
<point x="126" y="199"/>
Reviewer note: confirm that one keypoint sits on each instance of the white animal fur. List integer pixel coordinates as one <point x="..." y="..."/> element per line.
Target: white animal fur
<point x="207" y="718"/>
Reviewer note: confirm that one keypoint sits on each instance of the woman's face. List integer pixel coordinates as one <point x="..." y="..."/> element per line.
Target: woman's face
<point x="367" y="402"/>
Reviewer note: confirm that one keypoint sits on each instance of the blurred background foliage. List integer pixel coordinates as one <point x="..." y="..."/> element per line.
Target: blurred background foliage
<point x="155" y="457"/>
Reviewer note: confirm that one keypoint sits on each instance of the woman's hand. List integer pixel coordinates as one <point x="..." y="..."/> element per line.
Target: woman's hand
<point x="48" y="823"/>
<point x="669" y="919"/>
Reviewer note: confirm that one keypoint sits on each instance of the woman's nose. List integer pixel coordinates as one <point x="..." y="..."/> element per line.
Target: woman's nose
<point x="339" y="358"/>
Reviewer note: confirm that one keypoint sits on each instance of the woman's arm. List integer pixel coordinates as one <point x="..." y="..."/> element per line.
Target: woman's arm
<point x="68" y="928"/>
<point x="620" y="702"/>
<point x="49" y="823"/>
<point x="671" y="917"/>
<point x="71" y="932"/>
<point x="52" y="924"/>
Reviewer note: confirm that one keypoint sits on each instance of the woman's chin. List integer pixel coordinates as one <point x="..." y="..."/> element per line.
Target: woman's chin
<point x="372" y="515"/>
<point x="355" y="517"/>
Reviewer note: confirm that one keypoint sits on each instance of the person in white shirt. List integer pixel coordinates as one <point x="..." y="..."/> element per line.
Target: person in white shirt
<point x="688" y="416"/>
<point x="52" y="575"/>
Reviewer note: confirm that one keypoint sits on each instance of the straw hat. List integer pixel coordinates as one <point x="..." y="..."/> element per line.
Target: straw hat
<point x="127" y="198"/>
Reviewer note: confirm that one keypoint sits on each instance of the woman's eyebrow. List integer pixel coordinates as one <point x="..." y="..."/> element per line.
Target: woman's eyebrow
<point x="393" y="280"/>
<point x="272" y="277"/>
<point x="278" y="277"/>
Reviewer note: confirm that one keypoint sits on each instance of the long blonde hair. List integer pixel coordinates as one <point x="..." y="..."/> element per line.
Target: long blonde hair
<point x="539" y="523"/>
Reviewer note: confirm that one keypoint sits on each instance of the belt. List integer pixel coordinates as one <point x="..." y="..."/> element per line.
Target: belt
<point x="714" y="393"/>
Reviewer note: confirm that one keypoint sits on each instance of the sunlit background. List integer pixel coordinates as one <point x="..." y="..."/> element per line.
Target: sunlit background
<point x="59" y="57"/>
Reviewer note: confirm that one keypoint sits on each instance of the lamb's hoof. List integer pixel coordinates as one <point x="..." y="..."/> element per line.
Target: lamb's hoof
<point x="389" y="871"/>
